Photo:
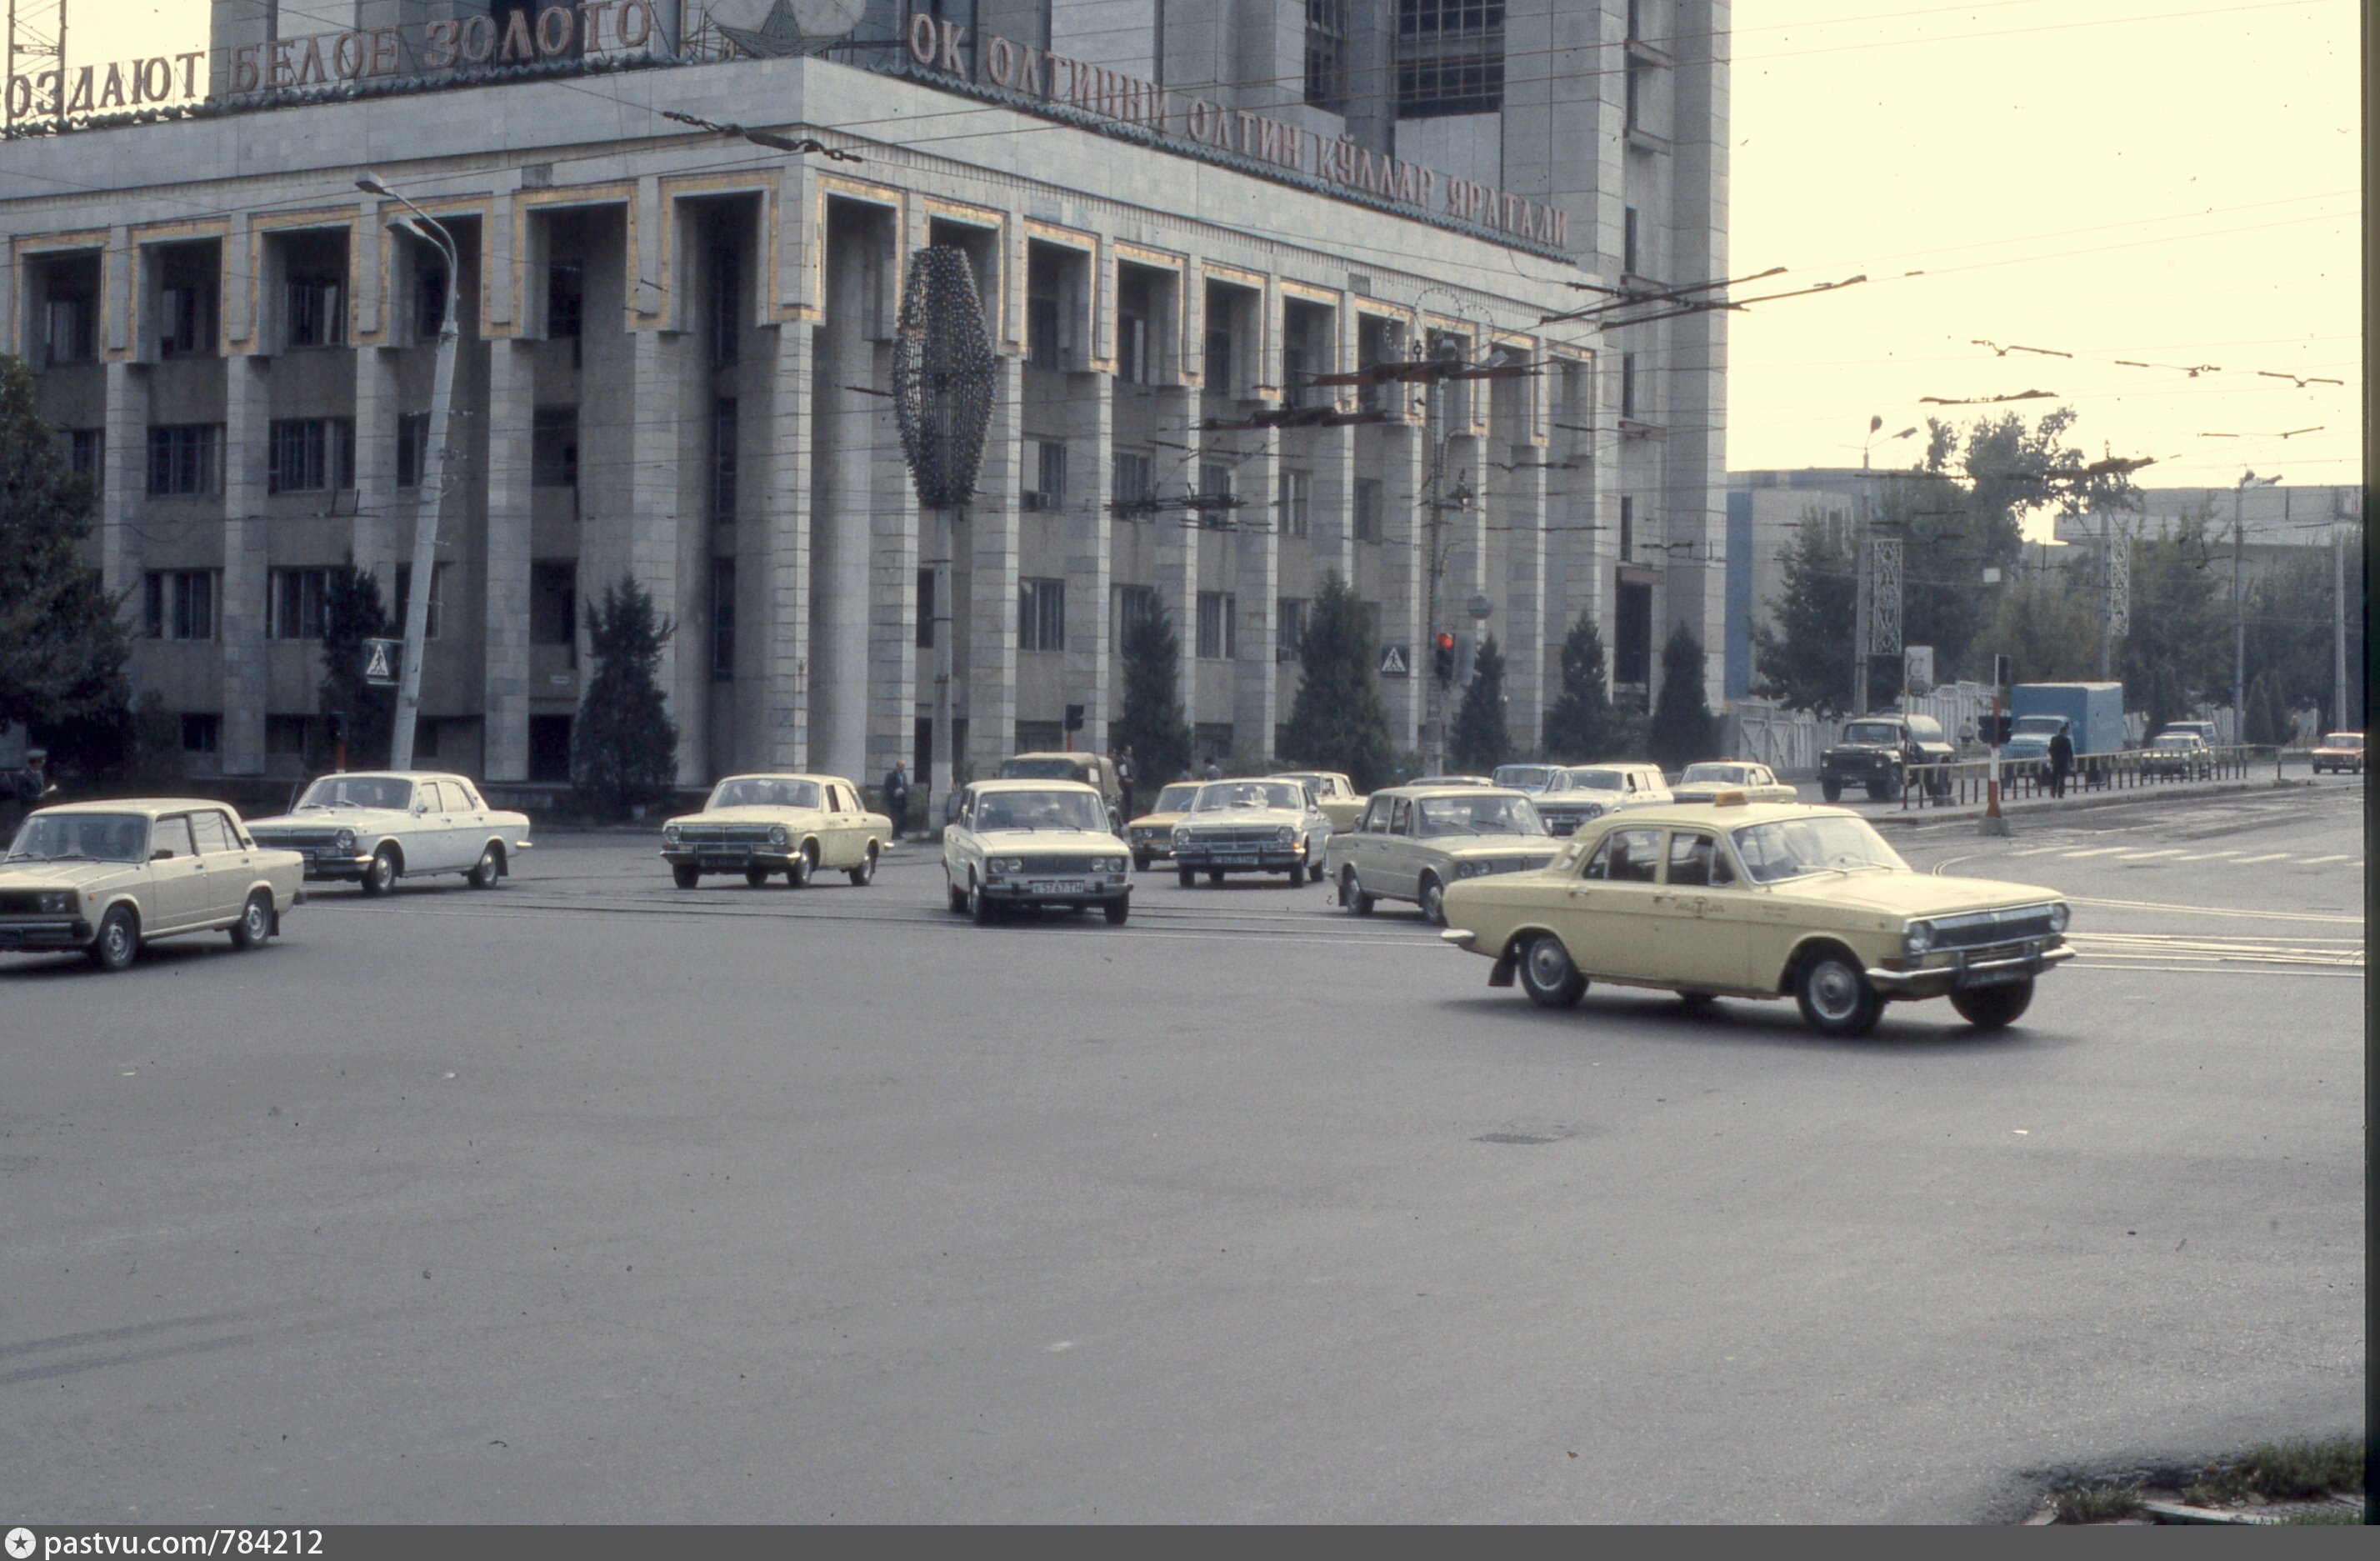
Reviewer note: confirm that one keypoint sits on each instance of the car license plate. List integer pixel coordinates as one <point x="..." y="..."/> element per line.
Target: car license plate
<point x="1060" y="886"/>
<point x="1995" y="978"/>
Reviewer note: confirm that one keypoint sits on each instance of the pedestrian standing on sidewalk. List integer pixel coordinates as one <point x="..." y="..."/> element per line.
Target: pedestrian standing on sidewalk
<point x="896" y="794"/>
<point x="2061" y="760"/>
<point x="1125" y="773"/>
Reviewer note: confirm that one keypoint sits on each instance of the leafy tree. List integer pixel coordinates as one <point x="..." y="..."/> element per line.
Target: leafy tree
<point x="623" y="746"/>
<point x="62" y="646"/>
<point x="1480" y="740"/>
<point x="2290" y="624"/>
<point x="2049" y="627"/>
<point x="1152" y="724"/>
<point x="351" y="614"/>
<point x="1338" y="721"/>
<point x="1804" y="659"/>
<point x="1583" y="727"/>
<point x="1683" y="728"/>
<point x="2176" y="654"/>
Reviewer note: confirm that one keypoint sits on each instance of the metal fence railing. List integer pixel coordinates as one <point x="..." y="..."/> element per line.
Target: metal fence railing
<point x="1967" y="781"/>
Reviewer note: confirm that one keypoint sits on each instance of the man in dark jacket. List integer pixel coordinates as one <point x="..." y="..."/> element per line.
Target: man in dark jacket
<point x="2061" y="760"/>
<point x="896" y="794"/>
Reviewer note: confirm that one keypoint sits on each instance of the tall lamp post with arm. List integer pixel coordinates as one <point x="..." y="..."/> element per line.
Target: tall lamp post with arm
<point x="431" y="491"/>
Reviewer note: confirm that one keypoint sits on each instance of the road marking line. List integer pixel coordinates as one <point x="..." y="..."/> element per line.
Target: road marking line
<point x="2035" y="850"/>
<point x="2097" y="851"/>
<point x="2147" y="856"/>
<point x="2209" y="856"/>
<point x="2270" y="856"/>
<point x="2343" y="920"/>
<point x="2318" y="862"/>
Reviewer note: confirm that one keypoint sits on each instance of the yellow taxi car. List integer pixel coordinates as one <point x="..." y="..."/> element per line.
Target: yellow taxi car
<point x="1745" y="899"/>
<point x="1152" y="835"/>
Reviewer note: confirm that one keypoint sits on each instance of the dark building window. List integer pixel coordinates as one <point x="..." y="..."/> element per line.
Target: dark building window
<point x="412" y="448"/>
<point x="549" y="747"/>
<point x="1219" y="628"/>
<point x="1289" y="629"/>
<point x="726" y="303"/>
<point x="294" y="603"/>
<point x="1627" y="527"/>
<point x="186" y="318"/>
<point x="1450" y="57"/>
<point x="309" y="455"/>
<point x="437" y="598"/>
<point x="180" y="604"/>
<point x="70" y="295"/>
<point x="1326" y="55"/>
<point x="1218" y="362"/>
<point x="1048" y="491"/>
<point x="1130" y="478"/>
<point x="1042" y="351"/>
<point x="1627" y="384"/>
<point x="201" y="732"/>
<point x="553" y="603"/>
<point x="723" y="618"/>
<point x="1627" y="243"/>
<point x="566" y="303"/>
<point x="429" y="302"/>
<point x="722" y="460"/>
<point x="553" y="447"/>
<point x="1133" y="605"/>
<point x="1041" y="615"/>
<point x="86" y="456"/>
<point x="1368" y="509"/>
<point x="182" y="459"/>
<point x="925" y="609"/>
<point x="318" y="313"/>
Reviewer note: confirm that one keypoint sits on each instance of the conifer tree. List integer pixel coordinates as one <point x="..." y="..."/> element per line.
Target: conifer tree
<point x="1152" y="724"/>
<point x="623" y="746"/>
<point x="1338" y="721"/>
<point x="1481" y="740"/>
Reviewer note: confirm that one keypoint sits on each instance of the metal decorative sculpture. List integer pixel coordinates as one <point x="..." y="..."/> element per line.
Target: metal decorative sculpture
<point x="943" y="376"/>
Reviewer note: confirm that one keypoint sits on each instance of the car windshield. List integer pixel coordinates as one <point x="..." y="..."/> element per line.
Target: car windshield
<point x="2039" y="724"/>
<point x="1523" y="774"/>
<point x="1874" y="733"/>
<point x="82" y="836"/>
<point x="1588" y="780"/>
<point x="2176" y="741"/>
<point x="1484" y="815"/>
<point x="1040" y="809"/>
<point x="1041" y="769"/>
<point x="763" y="791"/>
<point x="1221" y="794"/>
<point x="2344" y="739"/>
<point x="1174" y="799"/>
<point x="1797" y="848"/>
<point x="359" y="791"/>
<point x="1725" y="774"/>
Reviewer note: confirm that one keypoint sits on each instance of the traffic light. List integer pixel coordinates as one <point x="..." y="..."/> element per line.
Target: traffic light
<point x="1466" y="656"/>
<point x="1442" y="655"/>
<point x="2003" y="671"/>
<point x="1074" y="718"/>
<point x="1997" y="728"/>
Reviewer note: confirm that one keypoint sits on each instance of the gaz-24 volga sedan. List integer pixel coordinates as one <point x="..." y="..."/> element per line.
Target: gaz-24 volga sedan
<point x="756" y="825"/>
<point x="374" y="827"/>
<point x="1414" y="842"/>
<point x="110" y="876"/>
<point x="1269" y="825"/>
<point x="1738" y="899"/>
<point x="1705" y="781"/>
<point x="1012" y="844"/>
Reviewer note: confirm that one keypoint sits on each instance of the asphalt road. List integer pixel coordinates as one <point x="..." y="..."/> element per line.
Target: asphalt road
<point x="590" y="1199"/>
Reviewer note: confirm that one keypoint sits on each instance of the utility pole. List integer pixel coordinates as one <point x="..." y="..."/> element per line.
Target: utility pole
<point x="2239" y="602"/>
<point x="2338" y="715"/>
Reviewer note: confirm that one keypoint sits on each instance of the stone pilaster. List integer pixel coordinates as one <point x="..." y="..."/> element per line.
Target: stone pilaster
<point x="123" y="476"/>
<point x="379" y="507"/>
<point x="989" y="541"/>
<point x="1404" y="532"/>
<point x="247" y="410"/>
<point x="1090" y="532"/>
<point x="505" y="675"/>
<point x="1256" y="581"/>
<point x="652" y="533"/>
<point x="892" y="532"/>
<point x="778" y="532"/>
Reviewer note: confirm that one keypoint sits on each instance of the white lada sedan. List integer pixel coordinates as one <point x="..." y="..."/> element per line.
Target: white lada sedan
<point x="107" y="877"/>
<point x="374" y="827"/>
<point x="1012" y="844"/>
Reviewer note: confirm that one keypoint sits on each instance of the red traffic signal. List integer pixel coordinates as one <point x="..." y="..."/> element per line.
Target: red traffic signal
<point x="1443" y="662"/>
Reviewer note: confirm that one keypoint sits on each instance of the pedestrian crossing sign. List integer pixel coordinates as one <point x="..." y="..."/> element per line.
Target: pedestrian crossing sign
<point x="1396" y="661"/>
<point x="381" y="658"/>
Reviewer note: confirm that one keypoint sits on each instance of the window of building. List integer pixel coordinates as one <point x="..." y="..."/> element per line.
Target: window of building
<point x="1627" y="384"/>
<point x="318" y="313"/>
<point x="1218" y="363"/>
<point x="1041" y="615"/>
<point x="549" y="747"/>
<point x="722" y="460"/>
<point x="726" y="303"/>
<point x="1134" y="309"/>
<point x="201" y="732"/>
<point x="1214" y="480"/>
<point x="69" y="319"/>
<point x="553" y="447"/>
<point x="1218" y="626"/>
<point x="1289" y="629"/>
<point x="1627" y="243"/>
<point x="289" y="735"/>
<point x="437" y="597"/>
<point x="1131" y="477"/>
<point x="429" y="302"/>
<point x="86" y="456"/>
<point x="553" y="603"/>
<point x="1132" y="603"/>
<point x="1296" y="495"/>
<point x="182" y="459"/>
<point x="186" y="318"/>
<point x="1368" y="509"/>
<point x="179" y="603"/>
<point x="1048" y="489"/>
<point x="412" y="448"/>
<point x="1041" y="346"/>
<point x="1450" y="57"/>
<point x="294" y="603"/>
<point x="925" y="609"/>
<point x="307" y="455"/>
<point x="1627" y="527"/>
<point x="723" y="618"/>
<point x="1326" y="55"/>
<point x="1635" y="94"/>
<point x="566" y="301"/>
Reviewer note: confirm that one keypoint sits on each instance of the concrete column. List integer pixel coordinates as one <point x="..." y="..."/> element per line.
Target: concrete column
<point x="989" y="542"/>
<point x="1256" y="580"/>
<point x="893" y="538"/>
<point x="651" y="532"/>
<point x="506" y="666"/>
<point x="381" y="512"/>
<point x="778" y="528"/>
<point x="122" y="478"/>
<point x="1521" y="613"/>
<point x="841" y="527"/>
<point x="1176" y="538"/>
<point x="246" y="412"/>
<point x="1090" y="441"/>
<point x="1403" y="528"/>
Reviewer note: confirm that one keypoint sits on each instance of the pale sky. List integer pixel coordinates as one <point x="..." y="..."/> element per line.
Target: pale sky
<point x="2175" y="182"/>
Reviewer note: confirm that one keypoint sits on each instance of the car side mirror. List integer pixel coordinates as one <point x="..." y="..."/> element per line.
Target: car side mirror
<point x="420" y="809"/>
<point x="163" y="853"/>
<point x="951" y="808"/>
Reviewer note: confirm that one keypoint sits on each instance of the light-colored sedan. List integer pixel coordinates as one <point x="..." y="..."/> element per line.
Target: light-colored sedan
<point x="1251" y="826"/>
<point x="1333" y="793"/>
<point x="1414" y="843"/>
<point x="110" y="876"/>
<point x="1761" y="900"/>
<point x="1152" y="834"/>
<point x="1582" y="793"/>
<point x="2342" y="752"/>
<point x="1758" y="783"/>
<point x="756" y="825"/>
<point x="375" y="826"/>
<point x="1012" y="844"/>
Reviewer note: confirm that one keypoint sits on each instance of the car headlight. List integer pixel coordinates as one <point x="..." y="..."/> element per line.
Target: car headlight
<point x="668" y="835"/>
<point x="1284" y="835"/>
<point x="1009" y="864"/>
<point x="54" y="902"/>
<point x="1180" y="837"/>
<point x="346" y="840"/>
<point x="2058" y="916"/>
<point x="1918" y="936"/>
<point x="1107" y="864"/>
<point x="777" y="836"/>
<point x="1592" y="811"/>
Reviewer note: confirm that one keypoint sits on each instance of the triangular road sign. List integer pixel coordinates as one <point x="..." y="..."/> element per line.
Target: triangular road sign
<point x="1394" y="662"/>
<point x="380" y="663"/>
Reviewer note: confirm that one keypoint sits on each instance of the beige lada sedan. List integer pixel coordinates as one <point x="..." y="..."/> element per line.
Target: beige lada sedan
<point x="1333" y="793"/>
<point x="1414" y="843"/>
<point x="1152" y="835"/>
<point x="1745" y="899"/>
<point x="756" y="825"/>
<point x="107" y="877"/>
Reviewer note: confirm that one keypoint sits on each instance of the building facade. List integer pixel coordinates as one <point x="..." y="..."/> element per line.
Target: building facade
<point x="1198" y="229"/>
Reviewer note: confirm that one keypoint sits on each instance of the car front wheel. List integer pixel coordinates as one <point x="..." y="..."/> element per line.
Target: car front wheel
<point x="865" y="874"/>
<point x="1992" y="1007"/>
<point x="380" y="877"/>
<point x="118" y="940"/>
<point x="979" y="904"/>
<point x="1834" y="995"/>
<point x="255" y="923"/>
<point x="799" y="872"/>
<point x="1831" y="789"/>
<point x="488" y="869"/>
<point x="1352" y="895"/>
<point x="686" y="877"/>
<point x="1548" y="974"/>
<point x="1185" y="876"/>
<point x="1118" y="909"/>
<point x="1433" y="901"/>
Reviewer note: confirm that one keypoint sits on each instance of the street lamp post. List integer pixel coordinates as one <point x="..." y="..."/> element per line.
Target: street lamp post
<point x="432" y="476"/>
<point x="2238" y="603"/>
